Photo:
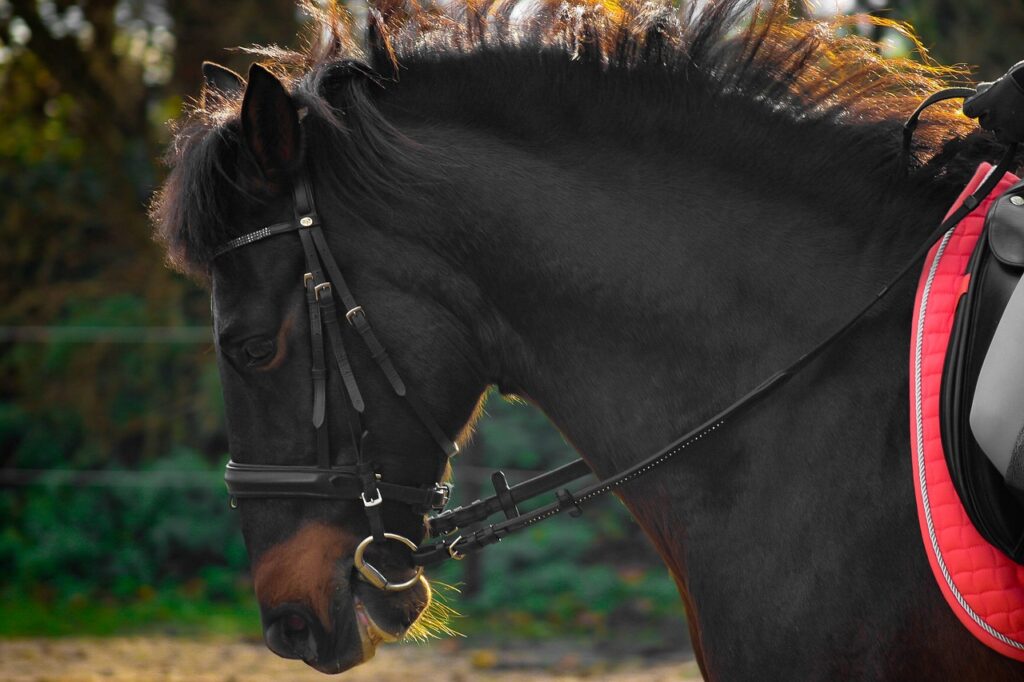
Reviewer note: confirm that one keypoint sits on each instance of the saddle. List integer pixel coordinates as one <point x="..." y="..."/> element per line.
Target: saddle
<point x="992" y="498"/>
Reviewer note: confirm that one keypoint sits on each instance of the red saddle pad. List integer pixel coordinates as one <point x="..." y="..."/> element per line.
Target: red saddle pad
<point x="983" y="586"/>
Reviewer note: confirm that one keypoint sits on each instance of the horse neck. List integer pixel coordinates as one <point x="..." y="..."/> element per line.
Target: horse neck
<point x="632" y="294"/>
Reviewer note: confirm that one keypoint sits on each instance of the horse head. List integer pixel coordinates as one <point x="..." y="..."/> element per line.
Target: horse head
<point x="343" y="407"/>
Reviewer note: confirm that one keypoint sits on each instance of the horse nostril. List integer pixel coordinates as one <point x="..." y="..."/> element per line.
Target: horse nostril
<point x="291" y="635"/>
<point x="294" y="623"/>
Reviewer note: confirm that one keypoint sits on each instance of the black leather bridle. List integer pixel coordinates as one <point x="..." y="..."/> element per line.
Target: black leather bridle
<point x="324" y="285"/>
<point x="462" y="530"/>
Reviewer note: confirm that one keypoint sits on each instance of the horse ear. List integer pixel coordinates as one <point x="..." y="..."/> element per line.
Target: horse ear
<point x="270" y="123"/>
<point x="222" y="78"/>
<point x="381" y="53"/>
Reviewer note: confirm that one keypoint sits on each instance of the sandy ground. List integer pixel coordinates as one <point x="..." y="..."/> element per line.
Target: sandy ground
<point x="163" y="659"/>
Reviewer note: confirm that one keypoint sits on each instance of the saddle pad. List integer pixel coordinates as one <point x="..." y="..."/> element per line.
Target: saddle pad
<point x="983" y="586"/>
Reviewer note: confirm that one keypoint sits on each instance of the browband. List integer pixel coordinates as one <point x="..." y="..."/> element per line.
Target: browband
<point x="262" y="233"/>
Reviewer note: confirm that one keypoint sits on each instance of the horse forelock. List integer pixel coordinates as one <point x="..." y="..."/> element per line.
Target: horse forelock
<point x="755" y="51"/>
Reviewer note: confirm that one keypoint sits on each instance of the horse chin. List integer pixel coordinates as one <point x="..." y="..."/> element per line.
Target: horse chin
<point x="370" y="633"/>
<point x="386" y="617"/>
<point x="354" y="652"/>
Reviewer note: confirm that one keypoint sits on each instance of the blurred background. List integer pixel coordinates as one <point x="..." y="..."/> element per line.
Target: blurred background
<point x="113" y="517"/>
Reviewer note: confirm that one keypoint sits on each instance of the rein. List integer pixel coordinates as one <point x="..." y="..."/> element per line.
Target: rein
<point x="458" y="532"/>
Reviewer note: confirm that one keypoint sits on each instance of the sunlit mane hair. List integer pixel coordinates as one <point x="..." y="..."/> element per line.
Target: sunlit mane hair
<point x="799" y="69"/>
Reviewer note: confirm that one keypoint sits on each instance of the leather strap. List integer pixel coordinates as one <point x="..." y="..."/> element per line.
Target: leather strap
<point x="340" y="356"/>
<point x="270" y="481"/>
<point x="319" y="375"/>
<point x="319" y="257"/>
<point x="358" y="319"/>
<point x="504" y="494"/>
<point x="911" y="125"/>
<point x="262" y="233"/>
<point x="463" y="517"/>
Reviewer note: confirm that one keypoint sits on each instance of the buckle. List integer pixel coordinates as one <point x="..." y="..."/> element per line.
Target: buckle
<point x="442" y="493"/>
<point x="454" y="553"/>
<point x="323" y="286"/>
<point x="374" y="502"/>
<point x="358" y="310"/>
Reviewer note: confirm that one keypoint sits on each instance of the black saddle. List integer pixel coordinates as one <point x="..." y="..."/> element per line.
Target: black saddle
<point x="996" y="266"/>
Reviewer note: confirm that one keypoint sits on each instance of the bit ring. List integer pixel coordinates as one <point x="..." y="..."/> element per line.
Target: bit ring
<point x="373" y="576"/>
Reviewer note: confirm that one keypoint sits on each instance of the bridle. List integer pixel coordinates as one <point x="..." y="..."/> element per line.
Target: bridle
<point x="461" y="531"/>
<point x="324" y="285"/>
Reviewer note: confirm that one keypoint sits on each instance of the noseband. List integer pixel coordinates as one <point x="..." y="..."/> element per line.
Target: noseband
<point x="324" y="286"/>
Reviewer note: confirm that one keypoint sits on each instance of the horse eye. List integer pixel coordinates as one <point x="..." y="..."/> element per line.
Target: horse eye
<point x="259" y="350"/>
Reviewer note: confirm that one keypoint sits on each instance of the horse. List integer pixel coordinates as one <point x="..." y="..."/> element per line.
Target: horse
<point x="627" y="215"/>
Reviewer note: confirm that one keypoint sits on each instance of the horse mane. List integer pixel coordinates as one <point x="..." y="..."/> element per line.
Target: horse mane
<point x="805" y="70"/>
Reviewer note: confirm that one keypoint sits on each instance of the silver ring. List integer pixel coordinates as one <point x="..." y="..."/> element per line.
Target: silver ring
<point x="374" y="576"/>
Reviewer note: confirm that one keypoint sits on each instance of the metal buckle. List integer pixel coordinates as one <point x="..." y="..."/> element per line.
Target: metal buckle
<point x="306" y="279"/>
<point x="445" y="491"/>
<point x="374" y="502"/>
<point x="374" y="576"/>
<point x="453" y="553"/>
<point x="358" y="310"/>
<point x="319" y="287"/>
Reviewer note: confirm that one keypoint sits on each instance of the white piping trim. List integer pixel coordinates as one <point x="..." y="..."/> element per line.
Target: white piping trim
<point x="919" y="425"/>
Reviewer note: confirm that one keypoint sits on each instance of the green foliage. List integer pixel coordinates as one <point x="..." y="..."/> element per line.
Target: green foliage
<point x="63" y="540"/>
<point x="987" y="36"/>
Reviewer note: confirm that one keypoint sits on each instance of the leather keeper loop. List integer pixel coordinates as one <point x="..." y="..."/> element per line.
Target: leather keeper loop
<point x="364" y="470"/>
<point x="566" y="500"/>
<point x="504" y="494"/>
